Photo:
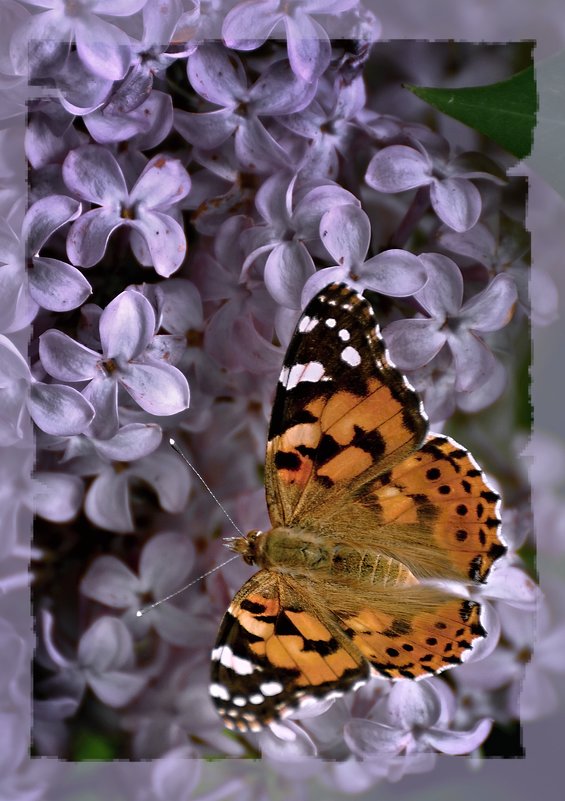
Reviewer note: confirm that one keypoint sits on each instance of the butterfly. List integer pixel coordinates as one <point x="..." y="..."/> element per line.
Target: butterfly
<point x="370" y="513"/>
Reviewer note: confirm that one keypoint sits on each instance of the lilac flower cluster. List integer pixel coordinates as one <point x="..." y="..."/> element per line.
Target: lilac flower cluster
<point x="187" y="198"/>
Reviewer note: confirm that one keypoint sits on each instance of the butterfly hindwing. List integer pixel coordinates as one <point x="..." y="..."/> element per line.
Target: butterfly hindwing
<point x="275" y="651"/>
<point x="342" y="411"/>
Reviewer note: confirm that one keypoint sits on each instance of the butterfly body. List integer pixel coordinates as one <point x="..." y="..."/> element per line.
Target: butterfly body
<point x="370" y="515"/>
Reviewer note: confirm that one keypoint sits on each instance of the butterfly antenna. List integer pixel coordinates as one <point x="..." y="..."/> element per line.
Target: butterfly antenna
<point x="145" y="609"/>
<point x="176" y="448"/>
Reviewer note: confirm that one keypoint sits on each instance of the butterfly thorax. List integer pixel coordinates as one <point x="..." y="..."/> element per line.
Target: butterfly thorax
<point x="303" y="553"/>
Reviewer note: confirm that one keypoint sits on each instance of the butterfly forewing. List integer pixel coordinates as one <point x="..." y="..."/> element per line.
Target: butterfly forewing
<point x="342" y="412"/>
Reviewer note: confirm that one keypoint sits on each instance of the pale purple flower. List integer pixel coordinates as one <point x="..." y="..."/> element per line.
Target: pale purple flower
<point x="52" y="283"/>
<point x="50" y="134"/>
<point x="507" y="253"/>
<point x="45" y="38"/>
<point x="451" y="323"/>
<point x="327" y="126"/>
<point x="436" y="383"/>
<point x="80" y="91"/>
<point x="127" y="328"/>
<point x="143" y="127"/>
<point x="165" y="563"/>
<point x="239" y="331"/>
<point x="17" y="308"/>
<point x="346" y="234"/>
<point x="250" y="23"/>
<point x="413" y="718"/>
<point x="123" y="461"/>
<point x="52" y="495"/>
<point x="105" y="662"/>
<point x="290" y="232"/>
<point x="162" y="20"/>
<point x="455" y="199"/>
<point x="93" y="174"/>
<point x="219" y="77"/>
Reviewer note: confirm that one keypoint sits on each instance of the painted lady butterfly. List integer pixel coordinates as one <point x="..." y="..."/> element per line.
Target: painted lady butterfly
<point x="366" y="509"/>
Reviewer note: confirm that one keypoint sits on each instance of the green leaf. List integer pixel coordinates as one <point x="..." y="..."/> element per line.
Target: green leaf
<point x="505" y="111"/>
<point x="89" y="746"/>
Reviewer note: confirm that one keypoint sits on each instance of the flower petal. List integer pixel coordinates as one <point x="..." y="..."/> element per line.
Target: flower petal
<point x="413" y="343"/>
<point x="456" y="202"/>
<point x="109" y="581"/>
<point x="116" y="688"/>
<point x="56" y="285"/>
<point x="92" y="173"/>
<point x="443" y="293"/>
<point x="165" y="239"/>
<point x="279" y="91"/>
<point x="88" y="236"/>
<point x="158" y="388"/>
<point x="212" y="127"/>
<point x="474" y="362"/>
<point x="107" y="502"/>
<point x="163" y="182"/>
<point x="127" y="326"/>
<point x="413" y="704"/>
<point x="492" y="308"/>
<point x="133" y="441"/>
<point x="368" y="739"/>
<point x="394" y="272"/>
<point x="162" y="472"/>
<point x="346" y="234"/>
<point x="166" y="562"/>
<point x="57" y="496"/>
<point x="66" y="359"/>
<point x="102" y="392"/>
<point x="59" y="410"/>
<point x="45" y="216"/>
<point x="103" y="48"/>
<point x="459" y="742"/>
<point x="308" y="46"/>
<point x="217" y="75"/>
<point x="287" y="269"/>
<point x="248" y="24"/>
<point x="398" y="168"/>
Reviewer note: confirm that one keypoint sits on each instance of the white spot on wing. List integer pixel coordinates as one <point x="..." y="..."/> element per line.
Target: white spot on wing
<point x="219" y="691"/>
<point x="351" y="356"/>
<point x="271" y="688"/>
<point x="307" y="324"/>
<point x="240" y="665"/>
<point x="239" y="700"/>
<point x="330" y="322"/>
<point x="344" y="335"/>
<point x="291" y="377"/>
<point x="256" y="698"/>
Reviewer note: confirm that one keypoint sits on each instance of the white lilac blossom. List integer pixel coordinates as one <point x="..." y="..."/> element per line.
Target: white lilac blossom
<point x="221" y="79"/>
<point x="103" y="48"/>
<point x="280" y="164"/>
<point x="53" y="284"/>
<point x="105" y="662"/>
<point x="164" y="566"/>
<point x="454" y="197"/>
<point x="453" y="323"/>
<point x="249" y="24"/>
<point x="289" y="231"/>
<point x="127" y="327"/>
<point x="346" y="234"/>
<point x="93" y="174"/>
